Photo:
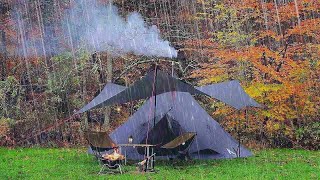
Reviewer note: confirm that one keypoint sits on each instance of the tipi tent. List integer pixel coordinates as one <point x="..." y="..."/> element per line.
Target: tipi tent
<point x="176" y="113"/>
<point x="170" y="111"/>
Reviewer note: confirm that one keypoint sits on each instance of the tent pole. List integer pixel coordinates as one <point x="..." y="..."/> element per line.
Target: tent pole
<point x="239" y="138"/>
<point x="246" y="115"/>
<point x="155" y="95"/>
<point x="239" y="128"/>
<point x="172" y="68"/>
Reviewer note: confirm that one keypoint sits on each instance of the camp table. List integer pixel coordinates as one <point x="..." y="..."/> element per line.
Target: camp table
<point x="150" y="163"/>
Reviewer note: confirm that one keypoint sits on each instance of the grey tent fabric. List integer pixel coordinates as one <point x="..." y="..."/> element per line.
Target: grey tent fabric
<point x="108" y="91"/>
<point x="181" y="108"/>
<point x="230" y="93"/>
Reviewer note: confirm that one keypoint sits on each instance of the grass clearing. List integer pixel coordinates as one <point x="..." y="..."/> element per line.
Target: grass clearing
<point x="42" y="163"/>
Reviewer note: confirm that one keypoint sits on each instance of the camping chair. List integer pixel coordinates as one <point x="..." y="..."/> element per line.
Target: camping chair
<point x="180" y="145"/>
<point x="100" y="143"/>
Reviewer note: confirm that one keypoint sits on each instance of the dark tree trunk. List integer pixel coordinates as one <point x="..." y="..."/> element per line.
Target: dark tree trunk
<point x="3" y="61"/>
<point x="107" y="111"/>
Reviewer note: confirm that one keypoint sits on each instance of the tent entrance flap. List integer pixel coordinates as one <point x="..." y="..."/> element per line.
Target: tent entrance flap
<point x="163" y="132"/>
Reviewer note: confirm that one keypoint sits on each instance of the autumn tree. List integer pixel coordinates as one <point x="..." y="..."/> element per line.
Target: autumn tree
<point x="272" y="48"/>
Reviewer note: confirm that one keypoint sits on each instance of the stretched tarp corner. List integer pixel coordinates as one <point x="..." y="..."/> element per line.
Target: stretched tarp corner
<point x="108" y="91"/>
<point x="231" y="93"/>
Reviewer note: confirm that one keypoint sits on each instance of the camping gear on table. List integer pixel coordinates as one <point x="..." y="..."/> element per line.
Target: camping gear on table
<point x="100" y="143"/>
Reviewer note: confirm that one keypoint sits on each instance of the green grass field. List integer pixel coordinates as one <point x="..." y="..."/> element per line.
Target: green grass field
<point x="41" y="163"/>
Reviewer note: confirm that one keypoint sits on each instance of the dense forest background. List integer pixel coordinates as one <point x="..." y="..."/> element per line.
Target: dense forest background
<point x="271" y="46"/>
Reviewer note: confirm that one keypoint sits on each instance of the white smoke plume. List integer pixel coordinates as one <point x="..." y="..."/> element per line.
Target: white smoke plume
<point x="91" y="25"/>
<point x="103" y="29"/>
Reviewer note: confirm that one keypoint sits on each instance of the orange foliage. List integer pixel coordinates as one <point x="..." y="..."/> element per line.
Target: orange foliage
<point x="281" y="71"/>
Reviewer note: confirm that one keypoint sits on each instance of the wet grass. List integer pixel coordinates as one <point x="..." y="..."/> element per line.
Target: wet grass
<point x="41" y="163"/>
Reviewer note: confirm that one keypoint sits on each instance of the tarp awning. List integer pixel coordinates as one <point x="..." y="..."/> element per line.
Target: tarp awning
<point x="141" y="89"/>
<point x="146" y="88"/>
<point x="229" y="92"/>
